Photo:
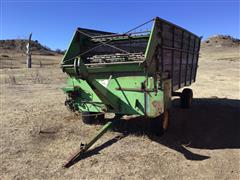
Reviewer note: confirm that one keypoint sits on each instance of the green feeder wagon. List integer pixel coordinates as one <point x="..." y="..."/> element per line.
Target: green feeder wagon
<point x="133" y="73"/>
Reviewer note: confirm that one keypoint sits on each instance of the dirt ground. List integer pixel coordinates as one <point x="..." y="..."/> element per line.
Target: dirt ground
<point x="38" y="133"/>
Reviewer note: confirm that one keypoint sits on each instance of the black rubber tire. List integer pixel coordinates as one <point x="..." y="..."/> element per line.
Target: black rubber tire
<point x="186" y="98"/>
<point x="160" y="125"/>
<point x="91" y="118"/>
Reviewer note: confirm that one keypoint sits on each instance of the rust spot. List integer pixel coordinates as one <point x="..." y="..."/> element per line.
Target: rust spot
<point x="158" y="107"/>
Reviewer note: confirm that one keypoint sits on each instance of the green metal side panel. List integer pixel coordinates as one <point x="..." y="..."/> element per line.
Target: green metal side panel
<point x="88" y="101"/>
<point x="74" y="49"/>
<point x="153" y="42"/>
<point x="111" y="96"/>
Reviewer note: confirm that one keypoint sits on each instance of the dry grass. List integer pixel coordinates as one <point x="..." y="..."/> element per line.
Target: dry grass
<point x="18" y="60"/>
<point x="38" y="133"/>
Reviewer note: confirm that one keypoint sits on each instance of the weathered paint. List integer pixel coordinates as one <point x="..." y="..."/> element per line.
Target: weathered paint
<point x="95" y="97"/>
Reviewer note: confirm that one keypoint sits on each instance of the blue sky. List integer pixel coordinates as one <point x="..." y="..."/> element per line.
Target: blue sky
<point x="53" y="22"/>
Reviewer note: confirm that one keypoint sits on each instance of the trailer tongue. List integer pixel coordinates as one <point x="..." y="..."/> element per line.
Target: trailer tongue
<point x="84" y="147"/>
<point x="134" y="73"/>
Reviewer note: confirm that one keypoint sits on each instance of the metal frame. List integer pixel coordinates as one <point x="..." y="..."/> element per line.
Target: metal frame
<point x="180" y="67"/>
<point x="172" y="68"/>
<point x="186" y="70"/>
<point x="190" y="81"/>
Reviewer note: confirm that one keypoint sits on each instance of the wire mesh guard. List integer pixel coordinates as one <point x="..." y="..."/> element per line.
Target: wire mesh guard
<point x="113" y="47"/>
<point x="118" y="57"/>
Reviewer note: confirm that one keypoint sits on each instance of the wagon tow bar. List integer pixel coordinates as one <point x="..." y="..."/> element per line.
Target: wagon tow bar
<point x="84" y="147"/>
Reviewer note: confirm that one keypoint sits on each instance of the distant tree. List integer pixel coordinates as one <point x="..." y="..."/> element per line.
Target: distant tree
<point x="47" y="48"/>
<point x="59" y="51"/>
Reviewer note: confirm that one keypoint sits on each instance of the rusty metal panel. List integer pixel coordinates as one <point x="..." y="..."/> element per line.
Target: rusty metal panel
<point x="167" y="89"/>
<point x="180" y="50"/>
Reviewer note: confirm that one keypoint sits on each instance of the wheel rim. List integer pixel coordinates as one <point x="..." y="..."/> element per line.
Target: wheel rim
<point x="165" y="120"/>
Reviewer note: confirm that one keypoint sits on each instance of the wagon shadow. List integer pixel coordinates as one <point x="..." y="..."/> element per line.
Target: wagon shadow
<point x="211" y="123"/>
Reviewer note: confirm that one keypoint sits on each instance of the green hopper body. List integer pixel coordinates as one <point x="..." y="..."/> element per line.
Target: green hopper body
<point x="132" y="73"/>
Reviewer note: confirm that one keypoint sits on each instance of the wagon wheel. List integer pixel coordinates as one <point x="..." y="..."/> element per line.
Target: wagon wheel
<point x="186" y="98"/>
<point x="91" y="117"/>
<point x="160" y="124"/>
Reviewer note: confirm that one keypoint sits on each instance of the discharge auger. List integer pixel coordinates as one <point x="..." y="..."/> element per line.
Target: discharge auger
<point x="133" y="73"/>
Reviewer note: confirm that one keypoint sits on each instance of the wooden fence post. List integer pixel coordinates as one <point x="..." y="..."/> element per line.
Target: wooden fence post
<point x="29" y="53"/>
